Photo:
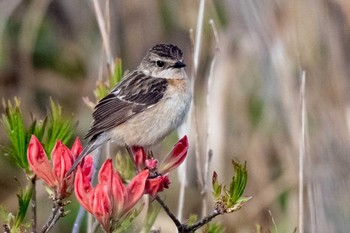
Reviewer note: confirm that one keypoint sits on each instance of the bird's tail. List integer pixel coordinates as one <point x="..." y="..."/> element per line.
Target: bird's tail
<point x="90" y="147"/>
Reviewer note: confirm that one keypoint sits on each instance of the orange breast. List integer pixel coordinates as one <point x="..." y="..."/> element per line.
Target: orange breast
<point x="179" y="84"/>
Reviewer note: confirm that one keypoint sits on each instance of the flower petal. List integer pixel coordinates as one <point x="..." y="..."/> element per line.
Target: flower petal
<point x="105" y="176"/>
<point x="83" y="190"/>
<point x="39" y="162"/>
<point x="77" y="148"/>
<point x="62" y="160"/>
<point x="87" y="166"/>
<point x="102" y="206"/>
<point x="156" y="185"/>
<point x="175" y="157"/>
<point x="139" y="157"/>
<point x="119" y="194"/>
<point x="136" y="189"/>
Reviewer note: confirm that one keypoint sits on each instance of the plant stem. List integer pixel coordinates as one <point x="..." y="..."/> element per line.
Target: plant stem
<point x="56" y="214"/>
<point x="184" y="228"/>
<point x="97" y="158"/>
<point x="197" y="44"/>
<point x="302" y="154"/>
<point x="94" y="227"/>
<point x="51" y="218"/>
<point x="78" y="220"/>
<point x="105" y="35"/>
<point x="182" y="177"/>
<point x="207" y="178"/>
<point x="169" y="213"/>
<point x="33" y="203"/>
<point x="202" y="222"/>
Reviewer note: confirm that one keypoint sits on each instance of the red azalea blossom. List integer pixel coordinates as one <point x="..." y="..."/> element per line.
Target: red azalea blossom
<point x="110" y="199"/>
<point x="176" y="156"/>
<point x="54" y="173"/>
<point x="157" y="184"/>
<point x="160" y="180"/>
<point x="139" y="157"/>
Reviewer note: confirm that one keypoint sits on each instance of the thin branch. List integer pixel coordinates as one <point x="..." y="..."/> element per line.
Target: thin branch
<point x="194" y="121"/>
<point x="196" y="149"/>
<point x="169" y="213"/>
<point x="184" y="129"/>
<point x="197" y="46"/>
<point x="181" y="204"/>
<point x="273" y="221"/>
<point x="59" y="214"/>
<point x="193" y="110"/>
<point x="198" y="35"/>
<point x="96" y="157"/>
<point x="52" y="216"/>
<point x="78" y="220"/>
<point x="184" y="228"/>
<point x="302" y="155"/>
<point x="33" y="203"/>
<point x="207" y="178"/>
<point x="105" y="35"/>
<point x="94" y="227"/>
<point x="208" y="107"/>
<point x="89" y="223"/>
<point x="202" y="222"/>
<point x="56" y="213"/>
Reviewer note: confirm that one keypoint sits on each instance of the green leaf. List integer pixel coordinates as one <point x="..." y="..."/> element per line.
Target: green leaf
<point x="54" y="127"/>
<point x="13" y="125"/>
<point x="24" y="198"/>
<point x="216" y="186"/>
<point x="57" y="127"/>
<point x="5" y="216"/>
<point x="101" y="90"/>
<point x="118" y="73"/>
<point x="15" y="223"/>
<point x="104" y="87"/>
<point x="238" y="183"/>
<point x="230" y="199"/>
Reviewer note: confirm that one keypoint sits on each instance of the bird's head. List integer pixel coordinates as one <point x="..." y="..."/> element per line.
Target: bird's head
<point x="163" y="61"/>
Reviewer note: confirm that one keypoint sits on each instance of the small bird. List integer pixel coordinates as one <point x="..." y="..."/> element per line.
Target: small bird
<point x="147" y="105"/>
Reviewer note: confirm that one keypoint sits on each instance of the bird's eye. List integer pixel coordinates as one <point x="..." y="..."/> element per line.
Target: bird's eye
<point x="160" y="63"/>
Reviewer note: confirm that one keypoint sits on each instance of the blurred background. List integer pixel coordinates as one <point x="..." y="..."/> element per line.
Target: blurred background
<point x="53" y="48"/>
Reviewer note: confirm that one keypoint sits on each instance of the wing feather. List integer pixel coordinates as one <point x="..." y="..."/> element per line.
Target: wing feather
<point x="134" y="94"/>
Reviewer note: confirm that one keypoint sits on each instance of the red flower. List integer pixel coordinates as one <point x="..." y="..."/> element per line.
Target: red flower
<point x="62" y="159"/>
<point x="157" y="184"/>
<point x="175" y="157"/>
<point x="110" y="199"/>
<point x="139" y="157"/>
<point x="158" y="179"/>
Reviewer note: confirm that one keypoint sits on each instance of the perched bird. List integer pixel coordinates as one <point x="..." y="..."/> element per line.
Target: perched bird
<point x="147" y="105"/>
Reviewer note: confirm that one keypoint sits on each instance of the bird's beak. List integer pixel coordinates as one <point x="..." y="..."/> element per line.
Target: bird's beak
<point x="179" y="64"/>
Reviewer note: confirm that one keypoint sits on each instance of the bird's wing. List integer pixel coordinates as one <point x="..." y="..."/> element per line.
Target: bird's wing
<point x="134" y="94"/>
